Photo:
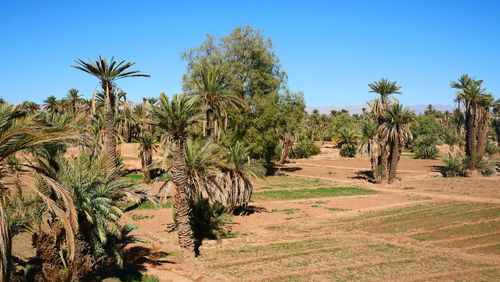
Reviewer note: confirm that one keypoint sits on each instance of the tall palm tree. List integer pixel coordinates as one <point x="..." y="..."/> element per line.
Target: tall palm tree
<point x="108" y="72"/>
<point x="396" y="131"/>
<point x="212" y="87"/>
<point x="51" y="104"/>
<point x="175" y="116"/>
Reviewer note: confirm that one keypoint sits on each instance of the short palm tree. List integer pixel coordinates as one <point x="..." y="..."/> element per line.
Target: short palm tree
<point x="347" y="141"/>
<point x="211" y="86"/>
<point x="51" y="104"/>
<point x="108" y="72"/>
<point x="237" y="176"/>
<point x="175" y="116"/>
<point x="74" y="99"/>
<point x="396" y="131"/>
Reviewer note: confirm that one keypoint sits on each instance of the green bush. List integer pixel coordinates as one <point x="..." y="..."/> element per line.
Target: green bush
<point x="425" y="147"/>
<point x="454" y="166"/>
<point x="304" y="149"/>
<point x="458" y="166"/>
<point x="209" y="220"/>
<point x="491" y="149"/>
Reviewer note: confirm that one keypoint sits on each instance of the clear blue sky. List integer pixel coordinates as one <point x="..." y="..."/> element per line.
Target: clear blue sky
<point x="330" y="50"/>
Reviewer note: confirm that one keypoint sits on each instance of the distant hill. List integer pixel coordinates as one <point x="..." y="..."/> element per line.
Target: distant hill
<point x="358" y="109"/>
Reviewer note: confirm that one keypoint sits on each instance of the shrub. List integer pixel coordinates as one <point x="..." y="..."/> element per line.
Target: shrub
<point x="347" y="141"/>
<point x="209" y="220"/>
<point x="454" y="166"/>
<point x="304" y="149"/>
<point x="457" y="166"/>
<point x="425" y="147"/>
<point x="491" y="149"/>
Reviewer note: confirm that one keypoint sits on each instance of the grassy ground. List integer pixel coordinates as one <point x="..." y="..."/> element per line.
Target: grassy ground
<point x="311" y="193"/>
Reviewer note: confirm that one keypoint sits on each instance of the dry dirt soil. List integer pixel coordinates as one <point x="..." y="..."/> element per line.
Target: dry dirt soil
<point x="323" y="221"/>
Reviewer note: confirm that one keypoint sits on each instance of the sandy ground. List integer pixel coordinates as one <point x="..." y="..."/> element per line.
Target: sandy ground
<point x="304" y="239"/>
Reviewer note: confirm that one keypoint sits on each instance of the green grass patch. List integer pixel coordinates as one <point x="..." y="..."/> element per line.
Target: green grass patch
<point x="337" y="209"/>
<point x="147" y="206"/>
<point x="311" y="193"/>
<point x="140" y="217"/>
<point x="408" y="188"/>
<point x="134" y="176"/>
<point x="287" y="211"/>
<point x="465" y="230"/>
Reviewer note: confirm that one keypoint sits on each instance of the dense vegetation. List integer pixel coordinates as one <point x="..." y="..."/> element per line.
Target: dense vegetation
<point x="237" y="119"/>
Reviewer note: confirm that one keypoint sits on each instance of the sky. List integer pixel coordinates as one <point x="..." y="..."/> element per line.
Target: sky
<point x="330" y="50"/>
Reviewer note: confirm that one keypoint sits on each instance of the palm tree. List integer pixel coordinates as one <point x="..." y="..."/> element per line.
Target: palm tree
<point x="214" y="94"/>
<point x="51" y="104"/>
<point x="347" y="141"/>
<point x="237" y="177"/>
<point x="73" y="98"/>
<point x="175" y="116"/>
<point x="396" y="131"/>
<point x="108" y="73"/>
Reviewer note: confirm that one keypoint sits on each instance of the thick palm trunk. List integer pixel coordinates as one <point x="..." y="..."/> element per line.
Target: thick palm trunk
<point x="373" y="160"/>
<point x="5" y="243"/>
<point x="482" y="135"/>
<point x="471" y="136"/>
<point x="383" y="162"/>
<point x="182" y="201"/>
<point x="395" y="155"/>
<point x="210" y="126"/>
<point x="146" y="161"/>
<point x="110" y="140"/>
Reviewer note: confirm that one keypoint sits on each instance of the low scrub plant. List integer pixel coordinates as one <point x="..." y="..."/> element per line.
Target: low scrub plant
<point x="305" y="149"/>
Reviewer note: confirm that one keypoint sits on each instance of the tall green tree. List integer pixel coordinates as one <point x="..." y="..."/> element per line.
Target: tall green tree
<point x="108" y="72"/>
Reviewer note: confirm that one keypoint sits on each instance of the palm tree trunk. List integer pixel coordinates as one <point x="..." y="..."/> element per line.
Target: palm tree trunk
<point x="373" y="159"/>
<point x="471" y="135"/>
<point x="383" y="162"/>
<point x="110" y="140"/>
<point x="5" y="243"/>
<point x="210" y="126"/>
<point x="182" y="201"/>
<point x="482" y="135"/>
<point x="395" y="155"/>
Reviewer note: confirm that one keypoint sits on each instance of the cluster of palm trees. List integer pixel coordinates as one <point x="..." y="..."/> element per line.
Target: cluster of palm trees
<point x="477" y="103"/>
<point x="386" y="130"/>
